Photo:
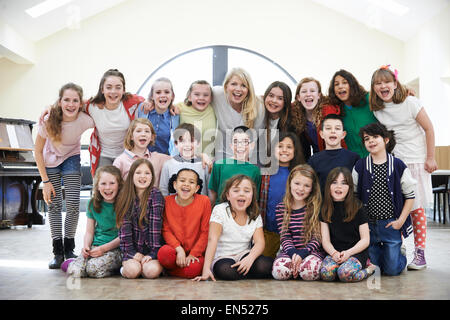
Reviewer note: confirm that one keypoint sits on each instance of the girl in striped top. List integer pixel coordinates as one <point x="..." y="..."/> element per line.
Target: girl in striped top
<point x="298" y="221"/>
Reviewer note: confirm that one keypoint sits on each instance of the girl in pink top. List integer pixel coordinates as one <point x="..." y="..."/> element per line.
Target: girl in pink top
<point x="57" y="153"/>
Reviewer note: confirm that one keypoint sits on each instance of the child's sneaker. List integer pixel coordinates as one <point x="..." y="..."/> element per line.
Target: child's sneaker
<point x="66" y="264"/>
<point x="418" y="262"/>
<point x="403" y="250"/>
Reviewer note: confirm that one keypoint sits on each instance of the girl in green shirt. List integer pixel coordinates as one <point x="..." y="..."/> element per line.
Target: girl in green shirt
<point x="100" y="256"/>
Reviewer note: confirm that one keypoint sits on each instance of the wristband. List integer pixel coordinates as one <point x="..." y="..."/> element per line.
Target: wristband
<point x="47" y="181"/>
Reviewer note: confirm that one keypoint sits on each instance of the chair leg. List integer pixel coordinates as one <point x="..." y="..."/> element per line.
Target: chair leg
<point x="439" y="207"/>
<point x="434" y="207"/>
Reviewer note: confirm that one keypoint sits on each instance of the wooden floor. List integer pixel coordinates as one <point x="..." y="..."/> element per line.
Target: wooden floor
<point x="24" y="274"/>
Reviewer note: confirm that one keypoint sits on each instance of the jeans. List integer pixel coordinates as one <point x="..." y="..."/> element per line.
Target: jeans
<point x="70" y="166"/>
<point x="385" y="247"/>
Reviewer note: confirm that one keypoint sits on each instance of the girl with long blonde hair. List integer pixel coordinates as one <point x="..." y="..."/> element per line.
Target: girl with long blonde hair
<point x="298" y="221"/>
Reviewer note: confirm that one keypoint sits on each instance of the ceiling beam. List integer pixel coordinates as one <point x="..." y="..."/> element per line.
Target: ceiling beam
<point x="15" y="47"/>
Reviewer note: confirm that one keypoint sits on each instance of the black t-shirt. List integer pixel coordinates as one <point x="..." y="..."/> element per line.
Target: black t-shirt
<point x="344" y="235"/>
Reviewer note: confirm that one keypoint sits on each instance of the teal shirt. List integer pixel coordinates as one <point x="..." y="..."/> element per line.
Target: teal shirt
<point x="105" y="224"/>
<point x="226" y="168"/>
<point x="356" y="117"/>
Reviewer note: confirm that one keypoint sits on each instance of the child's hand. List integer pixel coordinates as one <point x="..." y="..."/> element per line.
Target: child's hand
<point x="138" y="256"/>
<point x="174" y="110"/>
<point x="85" y="252"/>
<point x="47" y="192"/>
<point x="296" y="260"/>
<point x="43" y="115"/>
<point x="205" y="276"/>
<point x="190" y="259"/>
<point x="96" y="252"/>
<point x="147" y="106"/>
<point x="206" y="162"/>
<point x="343" y="256"/>
<point x="336" y="256"/>
<point x="396" y="224"/>
<point x="430" y="165"/>
<point x="243" y="265"/>
<point x="181" y="257"/>
<point x="145" y="259"/>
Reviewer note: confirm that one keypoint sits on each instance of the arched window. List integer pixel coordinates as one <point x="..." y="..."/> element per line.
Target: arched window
<point x="211" y="63"/>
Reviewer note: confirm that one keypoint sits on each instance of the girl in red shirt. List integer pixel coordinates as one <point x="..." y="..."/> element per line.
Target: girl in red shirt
<point x="185" y="226"/>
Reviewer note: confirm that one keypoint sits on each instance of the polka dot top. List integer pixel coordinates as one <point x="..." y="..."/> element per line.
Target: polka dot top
<point x="380" y="204"/>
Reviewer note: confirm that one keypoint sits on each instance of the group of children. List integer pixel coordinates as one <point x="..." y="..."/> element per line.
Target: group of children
<point x="334" y="203"/>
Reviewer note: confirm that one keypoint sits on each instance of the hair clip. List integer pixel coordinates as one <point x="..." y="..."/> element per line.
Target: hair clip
<point x="394" y="71"/>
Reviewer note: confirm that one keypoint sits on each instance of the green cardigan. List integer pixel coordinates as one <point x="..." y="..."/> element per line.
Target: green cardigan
<point x="356" y="117"/>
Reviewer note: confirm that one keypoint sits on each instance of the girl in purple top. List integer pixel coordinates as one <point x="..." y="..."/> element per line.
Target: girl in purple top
<point x="298" y="221"/>
<point x="57" y="153"/>
<point x="139" y="209"/>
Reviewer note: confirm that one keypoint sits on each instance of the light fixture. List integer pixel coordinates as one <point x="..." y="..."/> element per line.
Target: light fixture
<point x="45" y="7"/>
<point x="391" y="6"/>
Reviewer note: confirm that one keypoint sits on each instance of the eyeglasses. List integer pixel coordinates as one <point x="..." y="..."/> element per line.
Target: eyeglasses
<point x="241" y="142"/>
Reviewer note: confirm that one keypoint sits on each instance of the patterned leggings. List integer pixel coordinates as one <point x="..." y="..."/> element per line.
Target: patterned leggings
<point x="104" y="266"/>
<point x="309" y="268"/>
<point x="419" y="221"/>
<point x="72" y="195"/>
<point x="349" y="271"/>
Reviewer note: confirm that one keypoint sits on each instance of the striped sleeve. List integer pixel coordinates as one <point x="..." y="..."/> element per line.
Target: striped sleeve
<point x="408" y="184"/>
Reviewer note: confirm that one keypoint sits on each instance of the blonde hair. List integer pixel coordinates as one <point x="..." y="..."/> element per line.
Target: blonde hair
<point x="191" y="87"/>
<point x="313" y="202"/>
<point x="250" y="103"/>
<point x="384" y="74"/>
<point x="55" y="118"/>
<point x="128" y="142"/>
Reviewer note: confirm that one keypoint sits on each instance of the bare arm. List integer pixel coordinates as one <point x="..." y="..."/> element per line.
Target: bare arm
<point x="48" y="189"/>
<point x="215" y="230"/>
<point x="425" y="122"/>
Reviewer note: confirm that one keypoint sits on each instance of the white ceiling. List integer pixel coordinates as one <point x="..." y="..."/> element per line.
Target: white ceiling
<point x="364" y="11"/>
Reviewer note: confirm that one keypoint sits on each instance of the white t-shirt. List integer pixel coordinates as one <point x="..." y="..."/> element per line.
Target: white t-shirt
<point x="234" y="238"/>
<point x="112" y="126"/>
<point x="228" y="119"/>
<point x="411" y="146"/>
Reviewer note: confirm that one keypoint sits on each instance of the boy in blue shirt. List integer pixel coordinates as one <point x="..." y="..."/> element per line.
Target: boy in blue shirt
<point x="386" y="187"/>
<point x="332" y="132"/>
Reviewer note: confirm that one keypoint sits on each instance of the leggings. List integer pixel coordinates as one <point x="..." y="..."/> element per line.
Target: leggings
<point x="72" y="195"/>
<point x="260" y="269"/>
<point x="308" y="270"/>
<point x="349" y="271"/>
<point x="167" y="257"/>
<point x="419" y="221"/>
<point x="100" y="267"/>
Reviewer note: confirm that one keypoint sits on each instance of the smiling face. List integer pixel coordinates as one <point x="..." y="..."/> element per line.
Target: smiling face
<point x="186" y="147"/>
<point x="162" y="96"/>
<point x="113" y="90"/>
<point x="301" y="188"/>
<point x="332" y="133"/>
<point x="70" y="103"/>
<point x="375" y="144"/>
<point x="385" y="89"/>
<point x="142" y="178"/>
<point x="240" y="144"/>
<point x="309" y="95"/>
<point x="342" y="89"/>
<point x="186" y="185"/>
<point x="285" y="151"/>
<point x="108" y="187"/>
<point x="339" y="188"/>
<point x="274" y="102"/>
<point x="236" y="91"/>
<point x="240" y="195"/>
<point x="200" y="96"/>
<point x="142" y="136"/>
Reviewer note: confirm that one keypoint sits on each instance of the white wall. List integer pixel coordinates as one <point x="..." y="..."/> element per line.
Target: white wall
<point x="428" y="59"/>
<point x="139" y="35"/>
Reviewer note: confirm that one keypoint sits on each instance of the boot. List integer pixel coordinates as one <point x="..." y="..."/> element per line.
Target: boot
<point x="69" y="245"/>
<point x="58" y="251"/>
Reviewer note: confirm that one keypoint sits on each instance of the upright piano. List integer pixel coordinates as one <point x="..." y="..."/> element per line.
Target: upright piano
<point x="19" y="175"/>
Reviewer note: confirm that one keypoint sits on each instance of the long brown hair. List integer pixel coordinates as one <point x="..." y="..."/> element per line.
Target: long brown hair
<point x="297" y="105"/>
<point x="351" y="203"/>
<point x="253" y="209"/>
<point x="313" y="202"/>
<point x="384" y="74"/>
<point x="99" y="98"/>
<point x="55" y="118"/>
<point x="357" y="91"/>
<point x="128" y="195"/>
<point x="97" y="199"/>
